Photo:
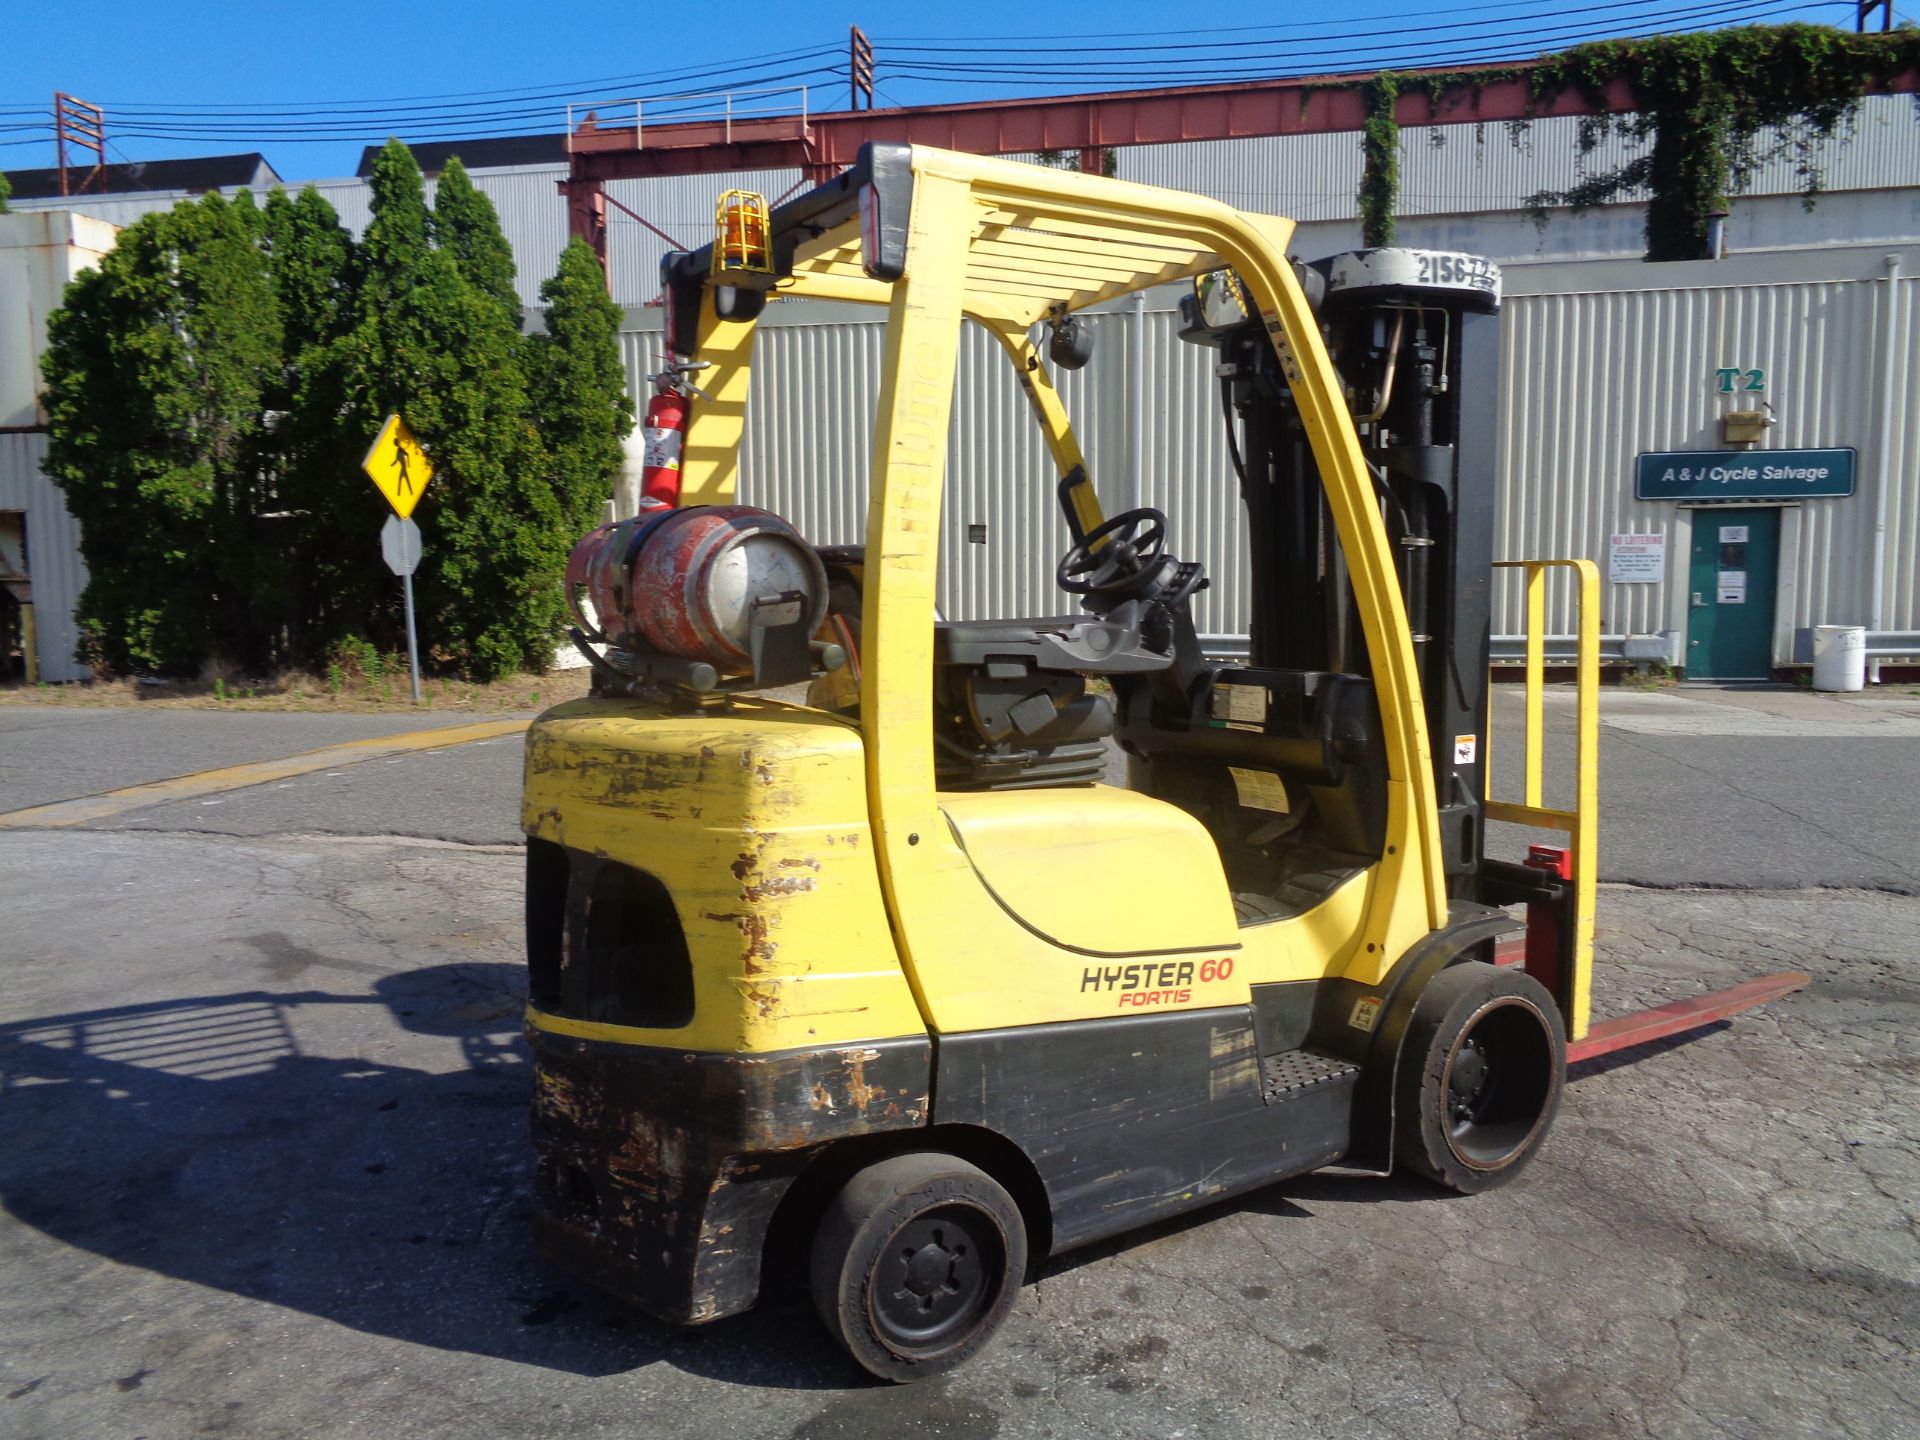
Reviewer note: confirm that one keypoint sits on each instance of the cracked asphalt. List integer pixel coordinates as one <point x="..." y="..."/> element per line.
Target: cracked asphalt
<point x="264" y="1168"/>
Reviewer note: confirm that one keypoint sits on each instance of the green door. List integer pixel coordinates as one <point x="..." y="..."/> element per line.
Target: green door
<point x="1735" y="564"/>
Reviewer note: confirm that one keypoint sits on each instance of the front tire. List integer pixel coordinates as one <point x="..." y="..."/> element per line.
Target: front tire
<point x="1481" y="1071"/>
<point x="916" y="1263"/>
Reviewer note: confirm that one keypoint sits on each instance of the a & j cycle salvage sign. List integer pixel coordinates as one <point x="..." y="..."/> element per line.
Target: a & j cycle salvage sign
<point x="1742" y="474"/>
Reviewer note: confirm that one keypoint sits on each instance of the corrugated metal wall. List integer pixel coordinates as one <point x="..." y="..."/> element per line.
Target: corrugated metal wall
<point x="53" y="553"/>
<point x="1855" y="217"/>
<point x="532" y="215"/>
<point x="1592" y="374"/>
<point x="1593" y="378"/>
<point x="1595" y="369"/>
<point x="1478" y="168"/>
<point x="808" y="451"/>
<point x="1900" y="594"/>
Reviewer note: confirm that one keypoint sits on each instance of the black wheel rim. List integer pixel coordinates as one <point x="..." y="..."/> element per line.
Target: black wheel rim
<point x="938" y="1277"/>
<point x="1499" y="1082"/>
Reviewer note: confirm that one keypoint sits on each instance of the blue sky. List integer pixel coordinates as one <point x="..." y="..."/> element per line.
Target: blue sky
<point x="308" y="83"/>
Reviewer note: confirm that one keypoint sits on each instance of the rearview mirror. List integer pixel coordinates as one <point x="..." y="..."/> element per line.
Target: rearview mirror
<point x="1223" y="300"/>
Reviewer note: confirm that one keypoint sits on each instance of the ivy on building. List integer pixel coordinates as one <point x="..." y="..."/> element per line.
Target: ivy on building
<point x="1708" y="110"/>
<point x="1380" y="156"/>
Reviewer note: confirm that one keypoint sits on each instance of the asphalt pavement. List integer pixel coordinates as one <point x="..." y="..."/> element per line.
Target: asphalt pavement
<point x="264" y="1170"/>
<point x="62" y="752"/>
<point x="1763" y="789"/>
<point x="265" y="1174"/>
<point x="1743" y="788"/>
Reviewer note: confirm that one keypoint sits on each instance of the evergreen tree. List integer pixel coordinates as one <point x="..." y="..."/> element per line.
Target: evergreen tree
<point x="155" y="370"/>
<point x="248" y="212"/>
<point x="580" y="386"/>
<point x="395" y="241"/>
<point x="334" y="579"/>
<point x="213" y="385"/>
<point x="443" y="353"/>
<point x="313" y="263"/>
<point x="6" y="193"/>
<point x="467" y="227"/>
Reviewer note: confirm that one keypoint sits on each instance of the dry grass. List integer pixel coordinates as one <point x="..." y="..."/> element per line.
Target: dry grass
<point x="379" y="685"/>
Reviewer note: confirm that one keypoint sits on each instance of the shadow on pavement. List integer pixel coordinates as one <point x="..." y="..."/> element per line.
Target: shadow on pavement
<point x="194" y="1138"/>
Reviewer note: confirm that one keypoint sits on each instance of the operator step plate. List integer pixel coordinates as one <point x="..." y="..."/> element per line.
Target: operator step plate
<point x="1294" y="1072"/>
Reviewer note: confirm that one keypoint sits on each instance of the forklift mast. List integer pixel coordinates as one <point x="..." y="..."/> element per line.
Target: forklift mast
<point x="1414" y="335"/>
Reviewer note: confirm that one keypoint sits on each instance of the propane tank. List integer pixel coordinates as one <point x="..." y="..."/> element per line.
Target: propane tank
<point x="684" y="582"/>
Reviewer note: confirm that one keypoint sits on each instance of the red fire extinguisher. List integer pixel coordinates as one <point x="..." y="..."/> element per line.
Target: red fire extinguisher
<point x="665" y="431"/>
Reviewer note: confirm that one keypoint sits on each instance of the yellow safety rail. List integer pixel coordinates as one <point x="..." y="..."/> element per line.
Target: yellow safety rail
<point x="1580" y="824"/>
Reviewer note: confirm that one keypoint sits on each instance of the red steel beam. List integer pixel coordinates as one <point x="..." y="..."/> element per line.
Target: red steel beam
<point x="1313" y="105"/>
<point x="1300" y="106"/>
<point x="1683" y="1015"/>
<point x="821" y="145"/>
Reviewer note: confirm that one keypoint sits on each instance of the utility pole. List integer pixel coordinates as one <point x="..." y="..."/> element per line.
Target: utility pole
<point x="86" y="126"/>
<point x="1864" y="8"/>
<point x="860" y="66"/>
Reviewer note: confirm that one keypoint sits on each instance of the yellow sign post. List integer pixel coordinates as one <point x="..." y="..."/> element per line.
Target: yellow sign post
<point x="398" y="465"/>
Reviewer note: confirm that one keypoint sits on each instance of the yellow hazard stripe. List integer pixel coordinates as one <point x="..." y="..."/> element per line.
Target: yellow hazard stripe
<point x="258" y="772"/>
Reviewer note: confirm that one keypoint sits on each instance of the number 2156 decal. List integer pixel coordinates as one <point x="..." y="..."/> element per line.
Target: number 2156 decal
<point x="1469" y="272"/>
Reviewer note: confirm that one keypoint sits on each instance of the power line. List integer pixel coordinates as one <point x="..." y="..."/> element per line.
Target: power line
<point x="1499" y="35"/>
<point x="538" y="120"/>
<point x="574" y="94"/>
<point x="493" y="115"/>
<point x="1528" y="5"/>
<point x="428" y="123"/>
<point x="1482" y="26"/>
<point x="1508" y="48"/>
<point x="1344" y="46"/>
<point x="513" y="94"/>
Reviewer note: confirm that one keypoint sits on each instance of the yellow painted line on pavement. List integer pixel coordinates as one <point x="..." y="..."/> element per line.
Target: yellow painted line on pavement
<point x="257" y="772"/>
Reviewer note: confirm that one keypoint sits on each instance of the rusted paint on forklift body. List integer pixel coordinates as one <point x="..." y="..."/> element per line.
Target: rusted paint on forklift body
<point x="660" y="1170"/>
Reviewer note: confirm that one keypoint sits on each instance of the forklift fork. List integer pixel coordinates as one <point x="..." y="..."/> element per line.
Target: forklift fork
<point x="1559" y="884"/>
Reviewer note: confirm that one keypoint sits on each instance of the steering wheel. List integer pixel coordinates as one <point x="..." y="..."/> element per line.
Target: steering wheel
<point x="1135" y="541"/>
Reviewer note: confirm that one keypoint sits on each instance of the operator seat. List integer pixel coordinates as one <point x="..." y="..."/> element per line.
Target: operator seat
<point x="1011" y="704"/>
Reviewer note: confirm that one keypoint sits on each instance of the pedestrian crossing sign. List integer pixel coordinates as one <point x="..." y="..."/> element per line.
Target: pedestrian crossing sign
<point x="398" y="465"/>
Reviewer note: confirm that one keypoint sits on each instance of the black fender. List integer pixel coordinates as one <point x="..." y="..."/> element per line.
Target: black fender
<point x="1468" y="927"/>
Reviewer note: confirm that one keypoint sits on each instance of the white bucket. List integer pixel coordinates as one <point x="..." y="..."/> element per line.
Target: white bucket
<point x="1839" y="657"/>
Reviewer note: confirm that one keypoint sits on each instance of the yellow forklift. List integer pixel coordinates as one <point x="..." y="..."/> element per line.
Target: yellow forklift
<point x="892" y="978"/>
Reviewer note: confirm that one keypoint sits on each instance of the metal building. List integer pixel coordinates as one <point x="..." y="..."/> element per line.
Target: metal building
<point x="41" y="573"/>
<point x="1602" y="362"/>
<point x="1605" y="359"/>
<point x="1462" y="187"/>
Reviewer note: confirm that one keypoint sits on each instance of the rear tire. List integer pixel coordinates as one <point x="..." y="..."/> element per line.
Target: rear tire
<point x="1480" y="1076"/>
<point x="916" y="1263"/>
